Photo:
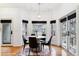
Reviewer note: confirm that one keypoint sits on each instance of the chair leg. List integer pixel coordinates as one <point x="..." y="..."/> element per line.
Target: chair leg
<point x="37" y="51"/>
<point x="40" y="47"/>
<point x="24" y="47"/>
<point x="50" y="49"/>
<point x="29" y="52"/>
<point x="43" y="46"/>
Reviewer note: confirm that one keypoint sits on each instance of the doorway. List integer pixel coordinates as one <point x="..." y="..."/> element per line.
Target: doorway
<point x="6" y="31"/>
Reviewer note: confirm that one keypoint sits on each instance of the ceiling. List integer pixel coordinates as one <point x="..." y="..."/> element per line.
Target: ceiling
<point x="49" y="10"/>
<point x="44" y="7"/>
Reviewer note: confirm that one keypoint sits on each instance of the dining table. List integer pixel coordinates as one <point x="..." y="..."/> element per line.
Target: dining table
<point x="41" y="39"/>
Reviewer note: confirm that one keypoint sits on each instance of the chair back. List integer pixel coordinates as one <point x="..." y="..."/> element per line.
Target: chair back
<point x="33" y="42"/>
<point x="43" y="34"/>
<point x="49" y="42"/>
<point x="33" y="34"/>
<point x="24" y="40"/>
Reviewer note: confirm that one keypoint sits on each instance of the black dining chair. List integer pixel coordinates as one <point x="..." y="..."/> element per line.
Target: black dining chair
<point x="43" y="41"/>
<point x="33" y="34"/>
<point x="33" y="45"/>
<point x="43" y="34"/>
<point x="25" y="42"/>
<point x="49" y="43"/>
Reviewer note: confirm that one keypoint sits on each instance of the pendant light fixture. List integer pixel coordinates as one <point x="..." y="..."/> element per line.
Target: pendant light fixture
<point x="39" y="10"/>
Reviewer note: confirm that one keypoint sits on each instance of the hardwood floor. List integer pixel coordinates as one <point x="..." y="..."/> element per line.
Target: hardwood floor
<point x="12" y="51"/>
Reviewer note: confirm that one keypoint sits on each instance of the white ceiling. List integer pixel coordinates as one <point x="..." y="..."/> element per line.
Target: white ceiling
<point x="47" y="10"/>
<point x="44" y="7"/>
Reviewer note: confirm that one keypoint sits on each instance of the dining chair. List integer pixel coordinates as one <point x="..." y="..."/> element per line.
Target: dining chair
<point x="49" y="43"/>
<point x="43" y="34"/>
<point x="33" y="34"/>
<point x="33" y="45"/>
<point x="43" y="41"/>
<point x="25" y="42"/>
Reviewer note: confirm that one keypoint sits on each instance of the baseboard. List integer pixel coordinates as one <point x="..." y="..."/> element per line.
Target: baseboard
<point x="56" y="45"/>
<point x="10" y="45"/>
<point x="3" y="45"/>
<point x="17" y="45"/>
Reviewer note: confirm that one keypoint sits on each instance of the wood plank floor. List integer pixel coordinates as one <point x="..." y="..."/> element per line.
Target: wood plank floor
<point x="12" y="51"/>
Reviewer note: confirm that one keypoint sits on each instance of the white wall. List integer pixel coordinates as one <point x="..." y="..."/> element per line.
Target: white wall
<point x="13" y="14"/>
<point x="16" y="15"/>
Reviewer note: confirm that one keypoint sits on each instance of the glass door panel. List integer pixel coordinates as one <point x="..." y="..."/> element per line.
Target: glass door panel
<point x="6" y="33"/>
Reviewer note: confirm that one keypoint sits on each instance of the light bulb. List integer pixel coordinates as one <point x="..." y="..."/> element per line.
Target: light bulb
<point x="39" y="16"/>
